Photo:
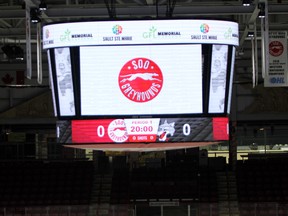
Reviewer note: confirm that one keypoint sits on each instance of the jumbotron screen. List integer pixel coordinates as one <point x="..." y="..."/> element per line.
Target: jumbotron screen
<point x="142" y="80"/>
<point x="141" y="68"/>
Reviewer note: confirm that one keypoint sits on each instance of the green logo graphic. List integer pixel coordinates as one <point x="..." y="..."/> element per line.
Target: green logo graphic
<point x="65" y="36"/>
<point x="150" y="34"/>
<point x="228" y="34"/>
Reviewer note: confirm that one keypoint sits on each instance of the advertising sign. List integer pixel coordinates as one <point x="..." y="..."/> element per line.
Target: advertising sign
<point x="278" y="71"/>
<point x="140" y="32"/>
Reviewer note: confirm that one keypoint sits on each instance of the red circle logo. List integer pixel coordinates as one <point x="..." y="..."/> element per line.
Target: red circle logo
<point x="140" y="80"/>
<point x="117" y="131"/>
<point x="276" y="48"/>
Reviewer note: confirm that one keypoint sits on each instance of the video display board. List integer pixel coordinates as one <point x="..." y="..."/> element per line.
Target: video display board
<point x="161" y="82"/>
<point x="141" y="68"/>
<point x="149" y="130"/>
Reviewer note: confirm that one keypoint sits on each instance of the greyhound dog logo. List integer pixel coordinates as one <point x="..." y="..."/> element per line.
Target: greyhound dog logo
<point x="143" y="76"/>
<point x="117" y="131"/>
<point x="140" y="80"/>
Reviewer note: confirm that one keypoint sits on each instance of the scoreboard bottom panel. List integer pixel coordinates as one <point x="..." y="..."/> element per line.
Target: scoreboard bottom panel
<point x="147" y="130"/>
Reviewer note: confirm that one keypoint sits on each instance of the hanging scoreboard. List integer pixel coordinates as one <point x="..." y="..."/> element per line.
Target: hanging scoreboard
<point x="134" y="78"/>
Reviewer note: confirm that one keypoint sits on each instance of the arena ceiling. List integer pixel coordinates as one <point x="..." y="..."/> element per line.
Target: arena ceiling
<point x="13" y="25"/>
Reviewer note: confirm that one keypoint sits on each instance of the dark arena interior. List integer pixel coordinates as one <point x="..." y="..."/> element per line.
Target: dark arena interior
<point x="143" y="108"/>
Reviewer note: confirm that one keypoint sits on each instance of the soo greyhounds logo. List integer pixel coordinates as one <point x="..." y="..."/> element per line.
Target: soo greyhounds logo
<point x="140" y="80"/>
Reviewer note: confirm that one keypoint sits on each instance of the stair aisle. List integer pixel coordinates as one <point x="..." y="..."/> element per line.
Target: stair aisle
<point x="227" y="194"/>
<point x="100" y="196"/>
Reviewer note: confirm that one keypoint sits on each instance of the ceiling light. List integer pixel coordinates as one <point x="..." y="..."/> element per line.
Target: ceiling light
<point x="261" y="14"/>
<point x="34" y="15"/>
<point x="261" y="7"/>
<point x="42" y="6"/>
<point x="246" y="2"/>
<point x="250" y="34"/>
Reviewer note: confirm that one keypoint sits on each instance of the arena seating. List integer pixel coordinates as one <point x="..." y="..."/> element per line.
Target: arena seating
<point x="63" y="186"/>
<point x="120" y="192"/>
<point x="173" y="181"/>
<point x="263" y="180"/>
<point x="262" y="186"/>
<point x="42" y="183"/>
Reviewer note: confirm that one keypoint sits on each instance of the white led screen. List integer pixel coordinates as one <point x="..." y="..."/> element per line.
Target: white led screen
<point x="218" y="78"/>
<point x="231" y="80"/>
<point x="141" y="80"/>
<point x="64" y="82"/>
<point x="51" y="82"/>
